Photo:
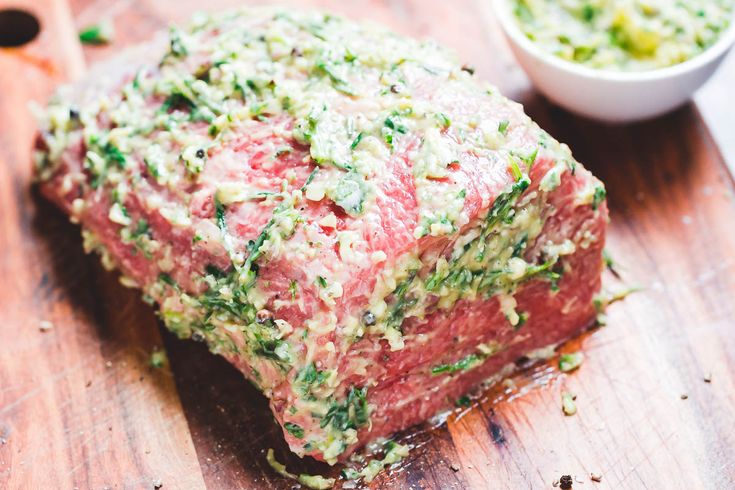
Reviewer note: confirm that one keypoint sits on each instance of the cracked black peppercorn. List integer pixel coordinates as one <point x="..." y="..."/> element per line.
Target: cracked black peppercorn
<point x="200" y="153"/>
<point x="565" y="482"/>
<point x="368" y="319"/>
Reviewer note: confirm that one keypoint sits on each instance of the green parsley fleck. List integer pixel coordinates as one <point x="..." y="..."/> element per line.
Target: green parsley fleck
<point x="444" y="121"/>
<point x="294" y="429"/>
<point x="157" y="359"/>
<point x="463" y="401"/>
<point x="351" y="414"/>
<point x="167" y="279"/>
<point x="463" y="364"/>
<point x="97" y="34"/>
<point x="570" y="362"/>
<point x="356" y="141"/>
<point x="515" y="170"/>
<point x="598" y="197"/>
<point x="309" y="377"/>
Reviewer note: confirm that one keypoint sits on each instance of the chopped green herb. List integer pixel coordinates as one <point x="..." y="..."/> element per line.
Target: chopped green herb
<point x="393" y="122"/>
<point x="356" y="141"/>
<point x="349" y="56"/>
<point x="519" y="247"/>
<point x="392" y="454"/>
<point x="274" y="349"/>
<point x="529" y="159"/>
<point x="165" y="278"/>
<point x="570" y="362"/>
<point x="152" y="168"/>
<point x="522" y="319"/>
<point x="349" y="193"/>
<point x="177" y="101"/>
<point x="114" y="155"/>
<point x="610" y="263"/>
<point x="605" y="298"/>
<point x="157" y="359"/>
<point x="214" y="271"/>
<point x="598" y="197"/>
<point x="549" y="270"/>
<point x="310" y="178"/>
<point x="444" y="121"/>
<point x="503" y="126"/>
<point x="588" y="12"/>
<point x="504" y="202"/>
<point x="177" y="48"/>
<point x="515" y="170"/>
<point x="139" y="234"/>
<point x="463" y="401"/>
<point x="332" y="70"/>
<point x="351" y="414"/>
<point x="97" y="34"/>
<point x="293" y="288"/>
<point x="142" y="228"/>
<point x="309" y="377"/>
<point x="392" y="125"/>
<point x="294" y="429"/>
<point x="321" y="281"/>
<point x="463" y="364"/>
<point x="219" y="209"/>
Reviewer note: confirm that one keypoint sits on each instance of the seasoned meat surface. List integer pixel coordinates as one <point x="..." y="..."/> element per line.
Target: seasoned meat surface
<point x="362" y="227"/>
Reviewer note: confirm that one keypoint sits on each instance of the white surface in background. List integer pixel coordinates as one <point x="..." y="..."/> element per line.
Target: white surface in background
<point x="716" y="101"/>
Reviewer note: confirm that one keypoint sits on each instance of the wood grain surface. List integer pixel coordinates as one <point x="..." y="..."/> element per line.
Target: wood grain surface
<point x="80" y="406"/>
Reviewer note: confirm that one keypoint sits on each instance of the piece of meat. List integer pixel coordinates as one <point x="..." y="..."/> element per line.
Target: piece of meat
<point x="355" y="222"/>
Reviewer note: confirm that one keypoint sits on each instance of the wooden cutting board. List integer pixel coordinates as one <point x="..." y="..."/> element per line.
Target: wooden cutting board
<point x="80" y="407"/>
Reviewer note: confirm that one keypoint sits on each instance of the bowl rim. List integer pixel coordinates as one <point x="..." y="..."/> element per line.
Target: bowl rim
<point x="513" y="31"/>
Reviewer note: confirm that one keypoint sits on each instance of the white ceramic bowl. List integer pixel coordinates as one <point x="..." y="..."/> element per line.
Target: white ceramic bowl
<point x="610" y="95"/>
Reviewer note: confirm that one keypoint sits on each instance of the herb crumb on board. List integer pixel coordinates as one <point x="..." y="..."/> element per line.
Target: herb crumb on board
<point x="45" y="325"/>
<point x="570" y="362"/>
<point x="315" y="482"/>
<point x="157" y="359"/>
<point x="596" y="477"/>
<point x="567" y="403"/>
<point x="97" y="34"/>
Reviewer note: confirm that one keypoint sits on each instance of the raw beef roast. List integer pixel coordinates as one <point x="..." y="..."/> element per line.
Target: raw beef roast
<point x="354" y="220"/>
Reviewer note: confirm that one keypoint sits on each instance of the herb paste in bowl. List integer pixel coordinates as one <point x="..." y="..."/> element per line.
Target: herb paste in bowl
<point x="618" y="60"/>
<point x="624" y="35"/>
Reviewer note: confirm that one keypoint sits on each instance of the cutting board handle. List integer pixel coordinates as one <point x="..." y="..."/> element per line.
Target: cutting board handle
<point x="51" y="56"/>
